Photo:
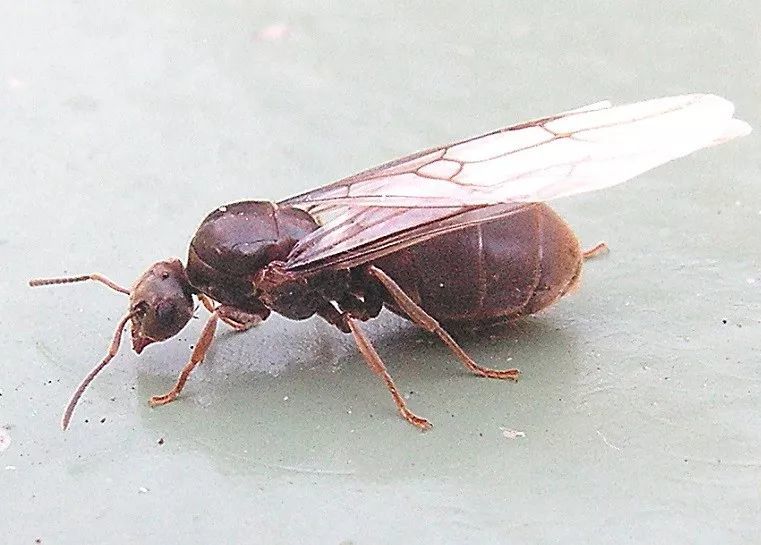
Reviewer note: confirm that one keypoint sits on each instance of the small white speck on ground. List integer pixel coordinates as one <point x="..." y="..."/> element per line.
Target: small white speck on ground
<point x="508" y="433"/>
<point x="142" y="490"/>
<point x="285" y="398"/>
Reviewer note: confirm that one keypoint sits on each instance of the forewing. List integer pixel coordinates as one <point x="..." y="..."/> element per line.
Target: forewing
<point x="573" y="152"/>
<point x="441" y="189"/>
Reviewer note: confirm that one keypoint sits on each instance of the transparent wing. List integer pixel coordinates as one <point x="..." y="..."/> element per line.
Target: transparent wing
<point x="360" y="234"/>
<point x="573" y="152"/>
<point x="581" y="150"/>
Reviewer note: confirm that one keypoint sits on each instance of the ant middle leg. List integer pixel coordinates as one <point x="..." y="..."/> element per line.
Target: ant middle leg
<point x="377" y="366"/>
<point x="349" y="324"/>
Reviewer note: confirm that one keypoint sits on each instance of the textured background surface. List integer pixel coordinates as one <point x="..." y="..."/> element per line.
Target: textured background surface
<point x="121" y="127"/>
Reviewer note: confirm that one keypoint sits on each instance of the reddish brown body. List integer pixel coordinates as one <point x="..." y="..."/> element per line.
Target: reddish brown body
<point x="494" y="271"/>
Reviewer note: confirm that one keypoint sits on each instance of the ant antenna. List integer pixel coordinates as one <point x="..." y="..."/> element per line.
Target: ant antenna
<point x="113" y="349"/>
<point x="71" y="279"/>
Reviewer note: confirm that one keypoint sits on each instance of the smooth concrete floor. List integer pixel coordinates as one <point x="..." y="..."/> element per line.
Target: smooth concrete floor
<point x="638" y="416"/>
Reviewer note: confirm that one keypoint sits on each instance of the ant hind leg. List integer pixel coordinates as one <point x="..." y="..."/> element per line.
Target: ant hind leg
<point x="427" y="322"/>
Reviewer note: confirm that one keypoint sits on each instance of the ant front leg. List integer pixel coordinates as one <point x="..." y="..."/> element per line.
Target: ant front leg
<point x="236" y="318"/>
<point x="196" y="357"/>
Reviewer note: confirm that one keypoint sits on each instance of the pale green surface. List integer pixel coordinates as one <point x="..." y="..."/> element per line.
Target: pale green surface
<point x="121" y="127"/>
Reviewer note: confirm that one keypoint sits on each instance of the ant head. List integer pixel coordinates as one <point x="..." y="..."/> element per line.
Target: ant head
<point x="161" y="303"/>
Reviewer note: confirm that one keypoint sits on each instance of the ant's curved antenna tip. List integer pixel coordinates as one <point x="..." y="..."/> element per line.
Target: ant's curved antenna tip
<point x="113" y="349"/>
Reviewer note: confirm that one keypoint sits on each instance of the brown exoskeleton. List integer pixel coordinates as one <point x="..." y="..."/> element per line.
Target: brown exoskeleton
<point x="454" y="235"/>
